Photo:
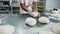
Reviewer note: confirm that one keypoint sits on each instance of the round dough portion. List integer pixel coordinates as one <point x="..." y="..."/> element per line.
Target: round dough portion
<point x="1" y="20"/>
<point x="56" y="28"/>
<point x="7" y="29"/>
<point x="35" y="14"/>
<point x="46" y="32"/>
<point x="43" y="20"/>
<point x="55" y="12"/>
<point x="57" y="16"/>
<point x="30" y="21"/>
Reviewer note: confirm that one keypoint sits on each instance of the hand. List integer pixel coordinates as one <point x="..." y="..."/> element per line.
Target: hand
<point x="39" y="14"/>
<point x="30" y="12"/>
<point x="36" y="13"/>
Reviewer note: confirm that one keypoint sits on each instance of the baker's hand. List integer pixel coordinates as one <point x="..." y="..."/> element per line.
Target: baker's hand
<point x="30" y="12"/>
<point x="36" y="14"/>
<point x="39" y="14"/>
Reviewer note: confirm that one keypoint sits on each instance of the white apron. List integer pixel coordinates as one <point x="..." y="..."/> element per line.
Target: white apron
<point x="27" y="3"/>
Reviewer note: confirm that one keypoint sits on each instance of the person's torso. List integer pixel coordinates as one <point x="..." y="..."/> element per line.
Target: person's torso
<point x="28" y="3"/>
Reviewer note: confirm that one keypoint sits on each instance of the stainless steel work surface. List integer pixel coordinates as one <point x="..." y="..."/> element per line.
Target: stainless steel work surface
<point x="18" y="21"/>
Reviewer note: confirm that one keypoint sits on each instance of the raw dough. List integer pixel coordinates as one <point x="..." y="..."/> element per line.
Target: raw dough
<point x="43" y="20"/>
<point x="46" y="32"/>
<point x="30" y="21"/>
<point x="56" y="28"/>
<point x="55" y="12"/>
<point x="7" y="29"/>
<point x="57" y="16"/>
<point x="35" y="14"/>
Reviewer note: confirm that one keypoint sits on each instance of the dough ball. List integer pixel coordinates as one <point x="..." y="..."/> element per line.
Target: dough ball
<point x="55" y="12"/>
<point x="43" y="20"/>
<point x="56" y="28"/>
<point x="7" y="29"/>
<point x="46" y="32"/>
<point x="59" y="10"/>
<point x="0" y="20"/>
<point x="57" y="16"/>
<point x="35" y="14"/>
<point x="30" y="21"/>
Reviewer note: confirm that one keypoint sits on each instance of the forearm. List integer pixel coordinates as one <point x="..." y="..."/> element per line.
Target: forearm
<point x="35" y="6"/>
<point x="24" y="7"/>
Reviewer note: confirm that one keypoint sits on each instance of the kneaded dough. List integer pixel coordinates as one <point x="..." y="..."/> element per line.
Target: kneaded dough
<point x="30" y="21"/>
<point x="46" y="32"/>
<point x="55" y="12"/>
<point x="35" y="14"/>
<point x="57" y="16"/>
<point x="43" y="20"/>
<point x="56" y="28"/>
<point x="7" y="29"/>
<point x="0" y="20"/>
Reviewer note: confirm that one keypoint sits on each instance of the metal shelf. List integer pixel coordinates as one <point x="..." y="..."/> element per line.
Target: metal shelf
<point x="40" y="2"/>
<point x="4" y="0"/>
<point x="15" y="10"/>
<point x="14" y="2"/>
<point x="40" y="6"/>
<point x="4" y="6"/>
<point x="15" y="5"/>
<point x="4" y="11"/>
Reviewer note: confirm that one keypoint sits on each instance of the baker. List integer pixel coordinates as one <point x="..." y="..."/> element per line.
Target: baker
<point x="28" y="6"/>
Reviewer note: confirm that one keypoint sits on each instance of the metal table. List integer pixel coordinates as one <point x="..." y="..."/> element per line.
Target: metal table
<point x="18" y="21"/>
